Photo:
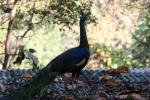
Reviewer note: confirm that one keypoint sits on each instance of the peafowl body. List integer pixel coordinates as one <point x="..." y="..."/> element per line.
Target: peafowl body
<point x="74" y="59"/>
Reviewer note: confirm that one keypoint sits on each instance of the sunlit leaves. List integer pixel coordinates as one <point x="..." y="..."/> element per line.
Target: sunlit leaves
<point x="67" y="12"/>
<point x="141" y="47"/>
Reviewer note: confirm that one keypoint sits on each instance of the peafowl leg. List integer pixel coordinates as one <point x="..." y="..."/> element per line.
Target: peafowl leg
<point x="72" y="83"/>
<point x="75" y="81"/>
<point x="71" y="79"/>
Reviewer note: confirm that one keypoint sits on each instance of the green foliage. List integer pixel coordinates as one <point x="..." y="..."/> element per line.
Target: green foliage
<point x="116" y="20"/>
<point x="61" y="12"/>
<point x="34" y="14"/>
<point x="141" y="47"/>
<point x="68" y="11"/>
<point x="110" y="56"/>
<point x="47" y="42"/>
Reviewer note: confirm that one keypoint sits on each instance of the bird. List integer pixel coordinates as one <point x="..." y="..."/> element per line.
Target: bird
<point x="75" y="59"/>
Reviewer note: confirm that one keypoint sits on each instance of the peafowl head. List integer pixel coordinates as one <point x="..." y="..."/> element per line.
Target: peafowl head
<point x="86" y="15"/>
<point x="83" y="17"/>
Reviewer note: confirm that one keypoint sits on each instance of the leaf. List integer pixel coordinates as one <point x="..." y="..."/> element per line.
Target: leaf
<point x="26" y="76"/>
<point x="99" y="98"/>
<point x="137" y="97"/>
<point x="110" y="81"/>
<point x="127" y="92"/>
<point x="71" y="87"/>
<point x="122" y="69"/>
<point x="2" y="88"/>
<point x="49" y="91"/>
<point x="130" y="93"/>
<point x="105" y="77"/>
<point x="82" y="84"/>
<point x="67" y="98"/>
<point x="113" y="82"/>
<point x="122" y="97"/>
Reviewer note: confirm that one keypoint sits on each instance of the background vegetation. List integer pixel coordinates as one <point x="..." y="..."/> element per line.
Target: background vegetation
<point x="120" y="35"/>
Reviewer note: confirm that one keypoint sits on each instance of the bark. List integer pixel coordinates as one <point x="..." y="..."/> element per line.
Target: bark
<point x="8" y="44"/>
<point x="19" y="39"/>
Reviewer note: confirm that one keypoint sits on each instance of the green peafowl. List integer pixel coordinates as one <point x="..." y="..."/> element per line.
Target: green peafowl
<point x="74" y="59"/>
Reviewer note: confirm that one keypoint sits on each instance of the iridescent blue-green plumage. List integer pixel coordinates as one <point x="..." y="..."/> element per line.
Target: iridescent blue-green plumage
<point x="74" y="59"/>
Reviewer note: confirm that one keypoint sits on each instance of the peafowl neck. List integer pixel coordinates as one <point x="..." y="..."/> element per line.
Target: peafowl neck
<point x="83" y="37"/>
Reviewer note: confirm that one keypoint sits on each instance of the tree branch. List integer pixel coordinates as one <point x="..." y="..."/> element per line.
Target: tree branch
<point x="8" y="53"/>
<point x="30" y="24"/>
<point x="147" y="45"/>
<point x="40" y="20"/>
<point x="8" y="44"/>
<point x="4" y="22"/>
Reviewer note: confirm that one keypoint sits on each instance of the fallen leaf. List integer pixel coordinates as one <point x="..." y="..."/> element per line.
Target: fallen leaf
<point x="71" y="87"/>
<point x="99" y="98"/>
<point x="56" y="80"/>
<point x="2" y="88"/>
<point x="121" y="69"/>
<point x="26" y="76"/>
<point x="49" y="90"/>
<point x="113" y="82"/>
<point x="82" y="84"/>
<point x="146" y="87"/>
<point x="67" y="98"/>
<point x="122" y="97"/>
<point x="137" y="96"/>
<point x="105" y="77"/>
<point x="128" y="92"/>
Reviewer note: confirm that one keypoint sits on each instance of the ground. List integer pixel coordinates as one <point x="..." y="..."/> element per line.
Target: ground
<point x="92" y="85"/>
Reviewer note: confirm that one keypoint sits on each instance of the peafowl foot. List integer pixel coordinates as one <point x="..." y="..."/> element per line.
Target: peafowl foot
<point x="74" y="84"/>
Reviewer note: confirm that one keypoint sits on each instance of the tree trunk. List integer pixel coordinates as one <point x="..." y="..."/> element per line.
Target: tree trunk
<point x="8" y="44"/>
